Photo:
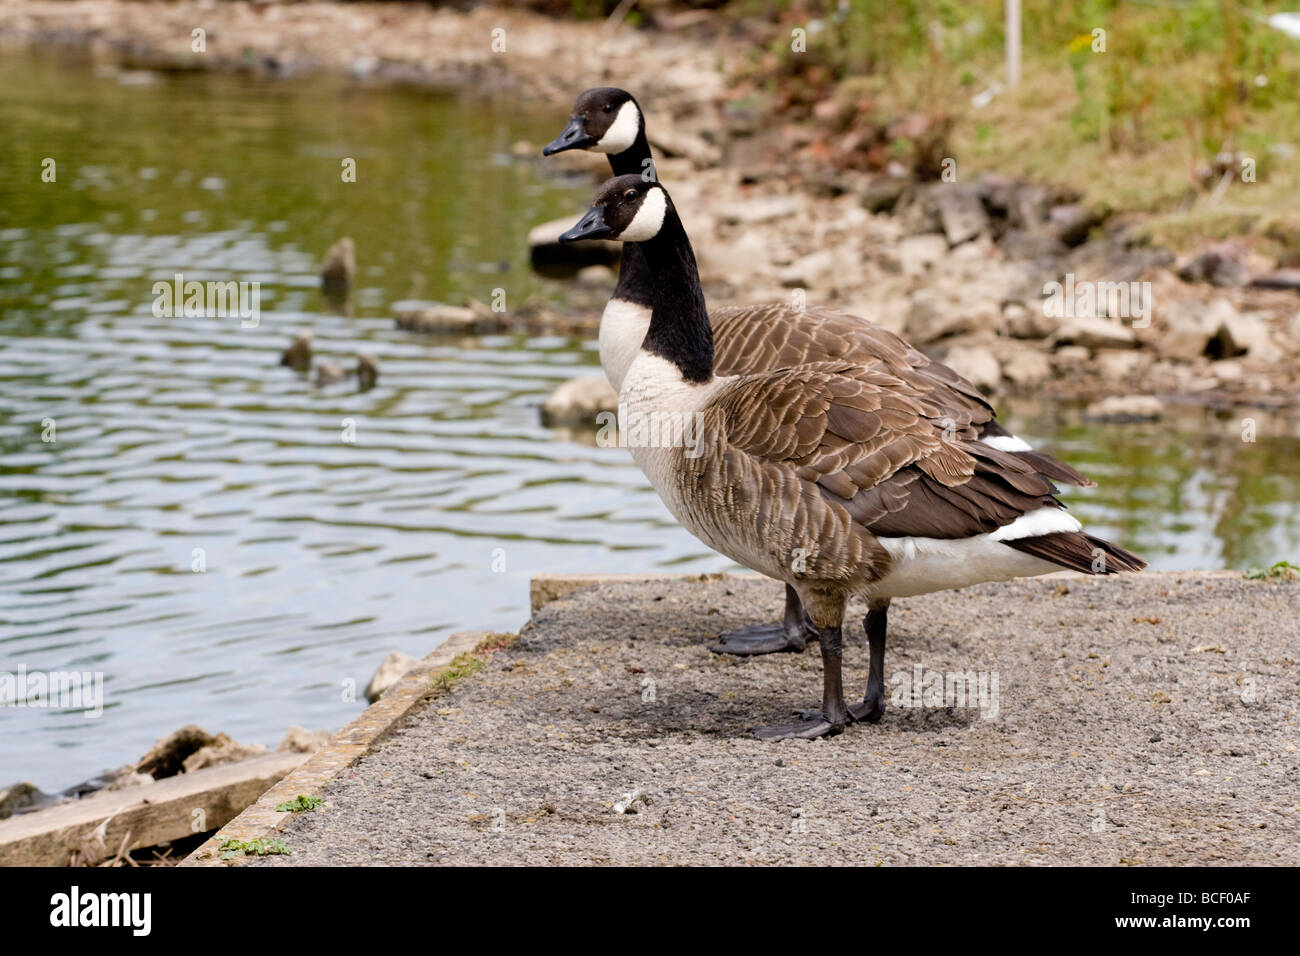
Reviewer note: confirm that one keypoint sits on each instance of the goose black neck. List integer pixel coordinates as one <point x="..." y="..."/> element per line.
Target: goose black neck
<point x="633" y="159"/>
<point x="635" y="283"/>
<point x="679" y="320"/>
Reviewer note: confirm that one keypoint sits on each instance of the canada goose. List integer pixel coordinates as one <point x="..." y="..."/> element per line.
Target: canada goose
<point x="840" y="479"/>
<point x="298" y="355"/>
<point x="754" y="338"/>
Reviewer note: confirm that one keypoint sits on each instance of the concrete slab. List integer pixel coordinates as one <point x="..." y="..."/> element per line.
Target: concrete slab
<point x="1138" y="720"/>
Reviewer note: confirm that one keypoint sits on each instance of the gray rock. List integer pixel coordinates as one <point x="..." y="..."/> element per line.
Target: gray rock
<point x="367" y="371"/>
<point x="882" y="193"/>
<point x="391" y="670"/>
<point x="1072" y="222"/>
<point x="977" y="365"/>
<point x="917" y="253"/>
<point x="1216" y="266"/>
<point x="1023" y="244"/>
<point x="298" y="355"/>
<point x="300" y="740"/>
<point x="1125" y="408"/>
<point x="1279" y="279"/>
<point x="441" y="319"/>
<point x="1245" y="333"/>
<point x="19" y="797"/>
<point x="1190" y="325"/>
<point x="1025" y="366"/>
<point x="222" y="750"/>
<point x="578" y="401"/>
<point x="961" y="213"/>
<point x="548" y="252"/>
<point x="329" y="373"/>
<point x="1094" y="333"/>
<point x="166" y="758"/>
<point x="339" y="267"/>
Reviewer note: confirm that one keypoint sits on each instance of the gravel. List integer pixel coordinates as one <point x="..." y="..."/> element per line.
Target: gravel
<point x="1149" y="719"/>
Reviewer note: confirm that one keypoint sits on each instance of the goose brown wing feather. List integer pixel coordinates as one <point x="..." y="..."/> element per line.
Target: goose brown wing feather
<point x="760" y="338"/>
<point x="855" y="437"/>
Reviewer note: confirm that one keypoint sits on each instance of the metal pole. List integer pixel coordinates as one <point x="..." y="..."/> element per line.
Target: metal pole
<point x="1013" y="42"/>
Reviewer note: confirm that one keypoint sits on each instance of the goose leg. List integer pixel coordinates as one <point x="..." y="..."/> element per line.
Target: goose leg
<point x="792" y="634"/>
<point x="833" y="716"/>
<point x="872" y="707"/>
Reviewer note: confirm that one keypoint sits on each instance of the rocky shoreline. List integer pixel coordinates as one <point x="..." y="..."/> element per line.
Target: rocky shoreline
<point x="1024" y="288"/>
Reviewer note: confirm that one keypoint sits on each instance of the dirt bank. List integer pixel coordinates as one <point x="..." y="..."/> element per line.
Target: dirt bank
<point x="1143" y="720"/>
<point x="962" y="269"/>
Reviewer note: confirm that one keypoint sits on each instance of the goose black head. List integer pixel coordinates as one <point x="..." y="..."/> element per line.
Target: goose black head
<point x="604" y="120"/>
<point x="626" y="208"/>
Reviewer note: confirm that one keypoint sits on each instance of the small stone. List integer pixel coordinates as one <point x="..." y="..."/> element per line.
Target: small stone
<point x="300" y="740"/>
<point x="1094" y="333"/>
<point x="298" y="355"/>
<point x="1189" y="327"/>
<point x="1125" y="408"/>
<point x="977" y="365"/>
<point x="546" y="250"/>
<point x="961" y="213"/>
<point x="367" y="371"/>
<point x="390" y="671"/>
<point x="596" y="275"/>
<point x="1025" y="366"/>
<point x="222" y="750"/>
<point x="1217" y="266"/>
<point x="441" y="319"/>
<point x="329" y="373"/>
<point x="916" y="254"/>
<point x="1071" y="357"/>
<point x="339" y="267"/>
<point x="19" y="796"/>
<point x="578" y="402"/>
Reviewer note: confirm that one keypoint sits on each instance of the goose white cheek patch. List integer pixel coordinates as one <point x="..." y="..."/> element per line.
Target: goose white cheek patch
<point x="622" y="132"/>
<point x="648" y="219"/>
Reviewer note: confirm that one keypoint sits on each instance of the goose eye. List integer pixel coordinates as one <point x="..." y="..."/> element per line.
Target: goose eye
<point x="630" y="194"/>
<point x="607" y="107"/>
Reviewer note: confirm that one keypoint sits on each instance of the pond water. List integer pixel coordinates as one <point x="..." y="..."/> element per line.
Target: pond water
<point x="181" y="436"/>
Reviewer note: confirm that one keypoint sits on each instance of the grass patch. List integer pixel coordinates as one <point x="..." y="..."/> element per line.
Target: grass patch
<point x="1280" y="571"/>
<point x="300" y="803"/>
<point x="1164" y="109"/>
<point x="469" y="663"/>
<point x="259" y="847"/>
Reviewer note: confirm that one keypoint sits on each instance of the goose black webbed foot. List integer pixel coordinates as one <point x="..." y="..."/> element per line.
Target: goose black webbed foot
<point x="869" y="711"/>
<point x="833" y="717"/>
<point x="807" y="728"/>
<point x="791" y="635"/>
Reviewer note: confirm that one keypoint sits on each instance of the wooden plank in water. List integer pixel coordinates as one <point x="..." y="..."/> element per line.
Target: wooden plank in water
<point x="154" y="813"/>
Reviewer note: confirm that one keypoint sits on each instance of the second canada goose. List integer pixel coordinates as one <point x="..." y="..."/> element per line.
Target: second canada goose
<point x="754" y="338"/>
<point x="841" y="479"/>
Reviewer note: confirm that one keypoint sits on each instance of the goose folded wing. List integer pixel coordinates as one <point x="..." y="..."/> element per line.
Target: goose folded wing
<point x="879" y="448"/>
<point x="757" y="338"/>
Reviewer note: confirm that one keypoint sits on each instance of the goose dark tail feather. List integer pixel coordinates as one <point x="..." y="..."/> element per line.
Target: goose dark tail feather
<point x="1056" y="470"/>
<point x="1079" y="552"/>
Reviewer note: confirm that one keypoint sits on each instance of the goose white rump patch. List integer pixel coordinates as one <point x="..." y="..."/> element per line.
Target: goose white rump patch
<point x="923" y="565"/>
<point x="622" y="132"/>
<point x="1007" y="443"/>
